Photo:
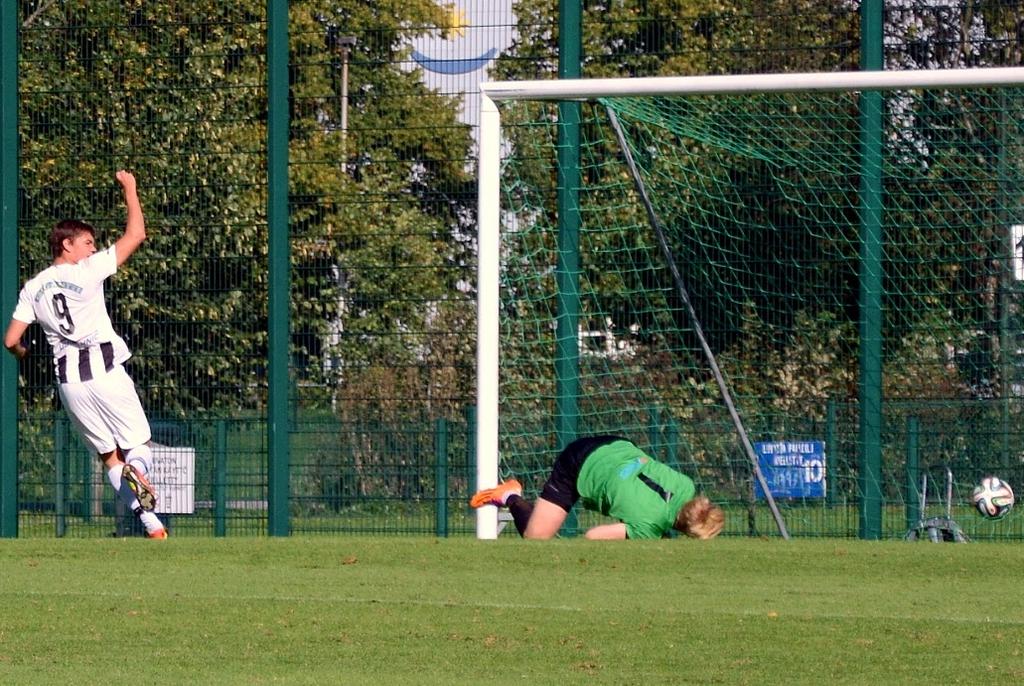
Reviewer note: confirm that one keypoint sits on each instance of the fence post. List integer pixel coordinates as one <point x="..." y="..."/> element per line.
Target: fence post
<point x="441" y="477"/>
<point x="912" y="496"/>
<point x="278" y="308"/>
<point x="220" y="479"/>
<point x="672" y="444"/>
<point x="8" y="263"/>
<point x="567" y="270"/>
<point x="871" y="285"/>
<point x="60" y="452"/>
<point x="654" y="432"/>
<point x="831" y="452"/>
<point x="470" y="414"/>
<point x="87" y="487"/>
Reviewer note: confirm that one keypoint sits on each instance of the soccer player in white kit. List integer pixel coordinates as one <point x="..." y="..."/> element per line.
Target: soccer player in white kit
<point x="67" y="300"/>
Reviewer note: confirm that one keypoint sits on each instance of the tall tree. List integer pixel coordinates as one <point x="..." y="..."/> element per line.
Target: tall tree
<point x="176" y="91"/>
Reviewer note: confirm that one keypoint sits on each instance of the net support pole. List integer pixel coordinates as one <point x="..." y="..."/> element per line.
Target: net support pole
<point x="567" y="271"/>
<point x="684" y="295"/>
<point x="488" y="283"/>
<point x="870" y="279"/>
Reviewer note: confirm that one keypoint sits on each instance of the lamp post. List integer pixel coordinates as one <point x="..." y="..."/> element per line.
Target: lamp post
<point x="344" y="45"/>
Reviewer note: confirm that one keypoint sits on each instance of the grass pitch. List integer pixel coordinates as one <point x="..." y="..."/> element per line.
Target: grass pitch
<point x="319" y="610"/>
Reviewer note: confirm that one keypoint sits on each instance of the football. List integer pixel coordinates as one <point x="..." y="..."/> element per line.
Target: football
<point x="993" y="497"/>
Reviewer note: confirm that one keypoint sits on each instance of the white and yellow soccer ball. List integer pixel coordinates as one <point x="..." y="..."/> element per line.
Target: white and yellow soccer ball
<point x="993" y="497"/>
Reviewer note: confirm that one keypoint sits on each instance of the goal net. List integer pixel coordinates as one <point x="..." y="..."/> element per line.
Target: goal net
<point x="740" y="269"/>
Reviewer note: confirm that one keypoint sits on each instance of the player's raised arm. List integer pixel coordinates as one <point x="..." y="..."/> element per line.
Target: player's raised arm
<point x="135" y="226"/>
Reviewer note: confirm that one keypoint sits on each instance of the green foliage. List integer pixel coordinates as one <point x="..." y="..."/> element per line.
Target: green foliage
<point x="177" y="92"/>
<point x="795" y="378"/>
<point x="666" y="37"/>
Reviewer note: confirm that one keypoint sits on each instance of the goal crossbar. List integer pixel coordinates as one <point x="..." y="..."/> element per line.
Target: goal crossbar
<point x="583" y="89"/>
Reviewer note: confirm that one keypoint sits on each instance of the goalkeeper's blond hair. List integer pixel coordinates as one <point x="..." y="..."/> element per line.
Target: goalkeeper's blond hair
<point x="700" y="518"/>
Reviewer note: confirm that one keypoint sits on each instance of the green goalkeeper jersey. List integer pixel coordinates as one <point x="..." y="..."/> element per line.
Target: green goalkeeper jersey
<point x="620" y="481"/>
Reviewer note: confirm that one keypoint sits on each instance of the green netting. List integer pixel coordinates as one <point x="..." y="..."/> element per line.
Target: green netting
<point x="759" y="197"/>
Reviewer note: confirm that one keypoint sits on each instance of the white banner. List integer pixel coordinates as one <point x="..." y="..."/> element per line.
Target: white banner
<point x="174" y="479"/>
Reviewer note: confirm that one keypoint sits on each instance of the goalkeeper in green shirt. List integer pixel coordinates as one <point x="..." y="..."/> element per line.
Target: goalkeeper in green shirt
<point x="614" y="477"/>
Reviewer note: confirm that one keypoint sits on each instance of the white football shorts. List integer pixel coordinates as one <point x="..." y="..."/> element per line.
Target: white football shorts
<point x="107" y="411"/>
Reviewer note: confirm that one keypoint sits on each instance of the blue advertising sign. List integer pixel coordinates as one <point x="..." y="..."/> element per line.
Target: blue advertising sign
<point x="793" y="469"/>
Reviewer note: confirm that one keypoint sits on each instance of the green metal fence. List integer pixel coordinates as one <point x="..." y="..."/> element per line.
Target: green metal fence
<point x="360" y="478"/>
<point x="302" y="315"/>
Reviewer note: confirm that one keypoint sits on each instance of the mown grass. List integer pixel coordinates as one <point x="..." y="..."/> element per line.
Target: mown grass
<point x="319" y="610"/>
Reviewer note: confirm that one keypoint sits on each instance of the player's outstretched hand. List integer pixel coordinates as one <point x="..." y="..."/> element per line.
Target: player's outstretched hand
<point x="127" y="180"/>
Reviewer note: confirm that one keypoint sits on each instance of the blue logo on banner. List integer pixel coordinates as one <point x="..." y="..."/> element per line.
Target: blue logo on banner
<point x="461" y="65"/>
<point x="793" y="469"/>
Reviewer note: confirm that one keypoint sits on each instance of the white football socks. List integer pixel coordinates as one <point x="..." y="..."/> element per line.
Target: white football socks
<point x="150" y="521"/>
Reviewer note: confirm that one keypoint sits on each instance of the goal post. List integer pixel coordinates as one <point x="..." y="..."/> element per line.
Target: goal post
<point x="488" y="287"/>
<point x="754" y="179"/>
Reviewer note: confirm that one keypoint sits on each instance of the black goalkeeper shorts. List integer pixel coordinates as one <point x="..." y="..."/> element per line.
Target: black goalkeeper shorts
<point x="560" y="488"/>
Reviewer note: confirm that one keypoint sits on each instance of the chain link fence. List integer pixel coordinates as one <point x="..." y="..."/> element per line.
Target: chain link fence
<point x="382" y="203"/>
